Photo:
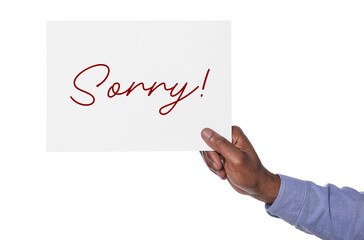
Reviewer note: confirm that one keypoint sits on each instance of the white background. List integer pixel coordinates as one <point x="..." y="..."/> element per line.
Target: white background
<point x="297" y="72"/>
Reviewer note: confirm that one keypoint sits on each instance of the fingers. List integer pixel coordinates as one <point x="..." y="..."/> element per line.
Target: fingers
<point x="221" y="174"/>
<point x="219" y="144"/>
<point x="215" y="168"/>
<point x="212" y="160"/>
<point x="236" y="134"/>
<point x="208" y="161"/>
<point x="241" y="141"/>
<point x="215" y="159"/>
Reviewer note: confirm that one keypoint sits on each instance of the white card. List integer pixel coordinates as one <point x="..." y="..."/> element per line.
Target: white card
<point x="135" y="86"/>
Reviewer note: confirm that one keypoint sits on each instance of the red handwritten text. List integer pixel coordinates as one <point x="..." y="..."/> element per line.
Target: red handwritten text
<point x="114" y="90"/>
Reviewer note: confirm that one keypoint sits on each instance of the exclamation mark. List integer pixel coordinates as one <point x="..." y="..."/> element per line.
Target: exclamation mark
<point x="204" y="82"/>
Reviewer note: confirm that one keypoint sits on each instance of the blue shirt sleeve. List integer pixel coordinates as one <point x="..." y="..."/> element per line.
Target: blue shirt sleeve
<point x="327" y="212"/>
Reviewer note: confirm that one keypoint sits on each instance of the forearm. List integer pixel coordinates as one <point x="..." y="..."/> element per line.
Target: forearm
<point x="327" y="212"/>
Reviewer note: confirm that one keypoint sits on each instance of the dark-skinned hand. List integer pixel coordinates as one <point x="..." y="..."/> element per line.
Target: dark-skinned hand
<point x="239" y="164"/>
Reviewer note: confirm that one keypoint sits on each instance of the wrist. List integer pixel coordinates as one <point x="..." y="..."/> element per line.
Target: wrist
<point x="268" y="188"/>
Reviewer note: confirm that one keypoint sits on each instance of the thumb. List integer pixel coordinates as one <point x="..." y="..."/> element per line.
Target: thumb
<point x="219" y="143"/>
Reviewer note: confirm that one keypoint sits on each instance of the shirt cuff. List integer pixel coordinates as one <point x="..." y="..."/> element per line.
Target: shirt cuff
<point x="290" y="200"/>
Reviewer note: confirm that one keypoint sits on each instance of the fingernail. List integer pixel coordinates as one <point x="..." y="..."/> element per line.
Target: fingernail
<point x="207" y="132"/>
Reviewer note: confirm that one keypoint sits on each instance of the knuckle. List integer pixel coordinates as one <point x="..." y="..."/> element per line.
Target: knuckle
<point x="238" y="161"/>
<point x="237" y="164"/>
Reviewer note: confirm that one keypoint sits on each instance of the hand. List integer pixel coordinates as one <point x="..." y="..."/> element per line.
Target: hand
<point x="240" y="165"/>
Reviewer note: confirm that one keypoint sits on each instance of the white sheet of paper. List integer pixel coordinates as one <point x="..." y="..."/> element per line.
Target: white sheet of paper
<point x="84" y="117"/>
